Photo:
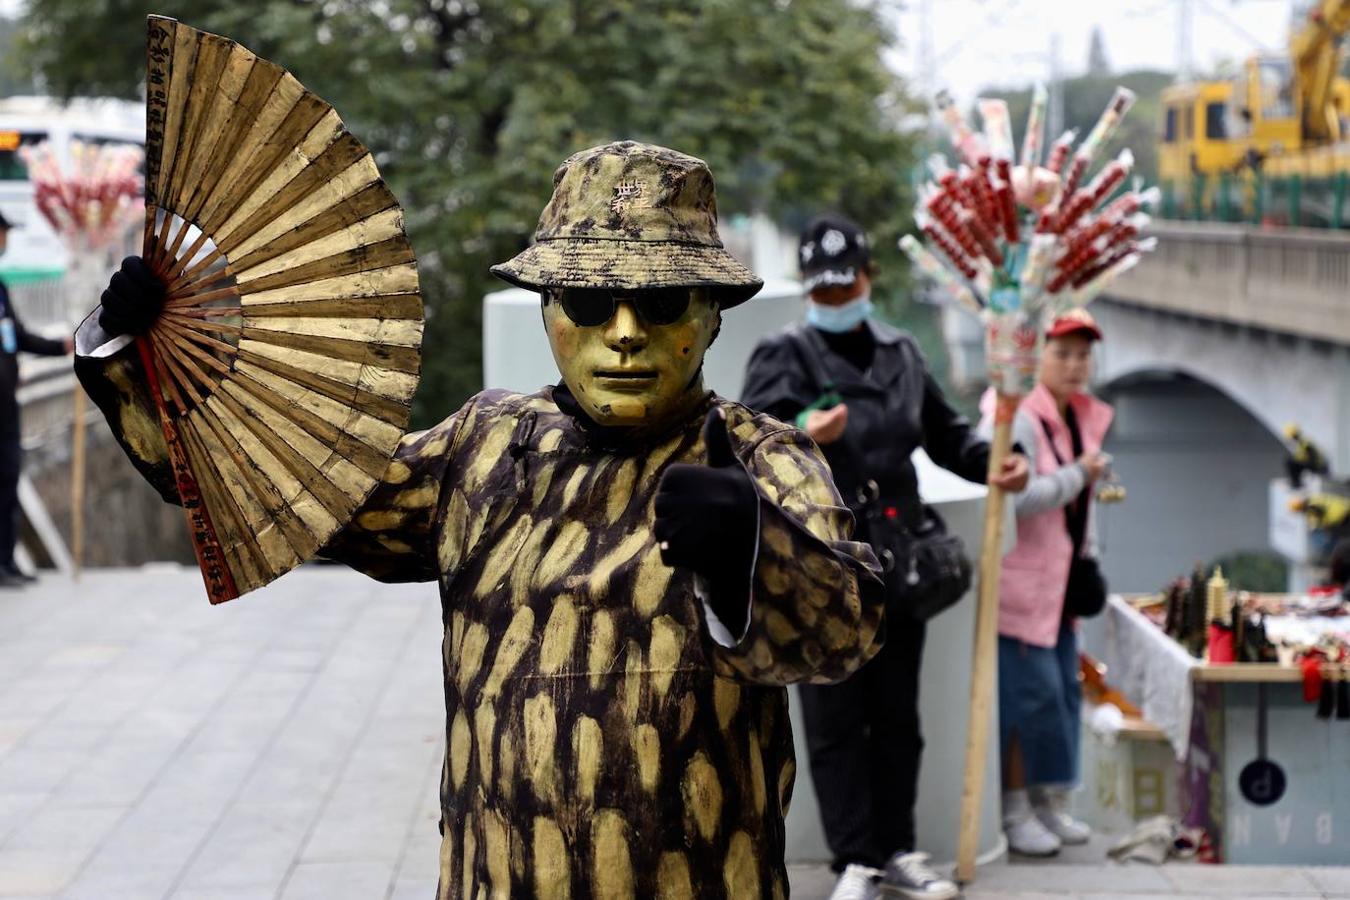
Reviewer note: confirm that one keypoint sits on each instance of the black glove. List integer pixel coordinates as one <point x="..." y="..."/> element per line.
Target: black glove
<point x="133" y="299"/>
<point x="706" y="517"/>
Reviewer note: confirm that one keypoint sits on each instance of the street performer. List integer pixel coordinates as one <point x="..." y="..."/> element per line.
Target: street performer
<point x="631" y="568"/>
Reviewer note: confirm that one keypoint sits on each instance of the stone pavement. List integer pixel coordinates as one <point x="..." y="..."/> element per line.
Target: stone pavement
<point x="287" y="746"/>
<point x="1084" y="873"/>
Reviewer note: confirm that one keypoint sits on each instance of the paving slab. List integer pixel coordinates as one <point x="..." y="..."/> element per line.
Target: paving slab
<point x="288" y="745"/>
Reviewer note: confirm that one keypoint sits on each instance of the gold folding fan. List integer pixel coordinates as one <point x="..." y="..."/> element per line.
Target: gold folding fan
<point x="287" y="353"/>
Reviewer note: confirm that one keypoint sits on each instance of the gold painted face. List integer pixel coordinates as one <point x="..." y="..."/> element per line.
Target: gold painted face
<point x="629" y="372"/>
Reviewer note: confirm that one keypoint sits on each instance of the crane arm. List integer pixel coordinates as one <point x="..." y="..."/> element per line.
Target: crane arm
<point x="1316" y="54"/>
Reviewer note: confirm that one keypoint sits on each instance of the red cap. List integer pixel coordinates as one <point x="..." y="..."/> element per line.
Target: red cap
<point x="1072" y="322"/>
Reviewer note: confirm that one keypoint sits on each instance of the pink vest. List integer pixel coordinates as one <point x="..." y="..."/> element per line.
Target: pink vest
<point x="1031" y="593"/>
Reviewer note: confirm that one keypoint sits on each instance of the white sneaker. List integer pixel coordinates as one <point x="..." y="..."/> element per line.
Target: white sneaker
<point x="1064" y="826"/>
<point x="1051" y="805"/>
<point x="1027" y="836"/>
<point x="909" y="875"/>
<point x="856" y="882"/>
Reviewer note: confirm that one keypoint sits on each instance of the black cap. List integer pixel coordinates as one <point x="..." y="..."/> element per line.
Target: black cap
<point x="833" y="251"/>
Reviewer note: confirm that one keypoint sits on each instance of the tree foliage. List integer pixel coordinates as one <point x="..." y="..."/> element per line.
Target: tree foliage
<point x="1097" y="62"/>
<point x="469" y="105"/>
<point x="12" y="79"/>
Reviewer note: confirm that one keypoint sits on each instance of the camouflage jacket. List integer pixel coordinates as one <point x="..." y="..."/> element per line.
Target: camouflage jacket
<point x="601" y="742"/>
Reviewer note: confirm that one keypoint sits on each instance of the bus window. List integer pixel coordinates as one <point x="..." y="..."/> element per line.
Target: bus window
<point x="1170" y="125"/>
<point x="1216" y="121"/>
<point x="1277" y="89"/>
<point x="1188" y="123"/>
<point x="12" y="167"/>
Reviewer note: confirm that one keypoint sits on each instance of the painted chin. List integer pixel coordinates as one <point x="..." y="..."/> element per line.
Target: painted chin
<point x="623" y="410"/>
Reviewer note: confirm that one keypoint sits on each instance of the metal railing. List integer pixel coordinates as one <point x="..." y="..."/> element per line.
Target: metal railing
<point x="1316" y="201"/>
<point x="1293" y="281"/>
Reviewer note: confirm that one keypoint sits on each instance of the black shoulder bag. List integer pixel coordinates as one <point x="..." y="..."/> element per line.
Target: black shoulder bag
<point x="925" y="569"/>
<point x="1085" y="594"/>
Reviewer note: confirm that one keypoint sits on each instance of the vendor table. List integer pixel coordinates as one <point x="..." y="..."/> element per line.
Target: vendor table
<point x="1209" y="714"/>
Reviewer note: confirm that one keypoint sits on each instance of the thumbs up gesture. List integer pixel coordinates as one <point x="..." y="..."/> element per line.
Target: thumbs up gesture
<point x="707" y="515"/>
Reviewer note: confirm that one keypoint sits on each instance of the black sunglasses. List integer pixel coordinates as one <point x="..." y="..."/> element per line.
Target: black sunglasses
<point x="595" y="306"/>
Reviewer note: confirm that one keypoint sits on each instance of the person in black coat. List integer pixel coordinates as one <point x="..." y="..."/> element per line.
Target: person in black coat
<point x="879" y="403"/>
<point x="14" y="338"/>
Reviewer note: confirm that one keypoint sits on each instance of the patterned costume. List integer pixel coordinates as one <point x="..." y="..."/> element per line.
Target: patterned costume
<point x="601" y="741"/>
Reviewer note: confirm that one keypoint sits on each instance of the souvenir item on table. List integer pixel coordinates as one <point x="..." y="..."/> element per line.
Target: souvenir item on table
<point x="285" y="359"/>
<point x="1219" y="612"/>
<point x="1024" y="242"/>
<point x="1262" y="781"/>
<point x="1253" y="643"/>
<point x="1196" y="632"/>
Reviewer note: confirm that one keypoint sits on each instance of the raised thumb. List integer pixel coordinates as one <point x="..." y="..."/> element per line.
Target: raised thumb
<point x="716" y="439"/>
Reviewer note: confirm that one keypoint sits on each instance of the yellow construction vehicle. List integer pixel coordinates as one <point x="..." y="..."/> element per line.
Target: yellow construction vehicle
<point x="1283" y="117"/>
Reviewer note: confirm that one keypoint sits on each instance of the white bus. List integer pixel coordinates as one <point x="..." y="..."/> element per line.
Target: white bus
<point x="35" y="252"/>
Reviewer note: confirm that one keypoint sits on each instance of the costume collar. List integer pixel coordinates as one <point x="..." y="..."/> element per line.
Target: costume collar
<point x="623" y="439"/>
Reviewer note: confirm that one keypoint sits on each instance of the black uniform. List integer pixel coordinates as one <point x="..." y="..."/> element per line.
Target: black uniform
<point x="13" y="339"/>
<point x="863" y="734"/>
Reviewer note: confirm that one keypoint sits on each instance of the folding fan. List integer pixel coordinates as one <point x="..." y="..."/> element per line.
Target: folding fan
<point x="286" y="357"/>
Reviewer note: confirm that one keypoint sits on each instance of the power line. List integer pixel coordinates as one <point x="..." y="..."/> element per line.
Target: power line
<point x="1233" y="26"/>
<point x="995" y="18"/>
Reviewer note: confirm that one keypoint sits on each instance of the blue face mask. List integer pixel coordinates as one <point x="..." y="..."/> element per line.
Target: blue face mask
<point x="839" y="319"/>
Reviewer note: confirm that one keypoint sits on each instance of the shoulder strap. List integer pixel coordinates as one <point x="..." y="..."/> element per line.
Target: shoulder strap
<point x="808" y="353"/>
<point x="1075" y="513"/>
<point x="1049" y="438"/>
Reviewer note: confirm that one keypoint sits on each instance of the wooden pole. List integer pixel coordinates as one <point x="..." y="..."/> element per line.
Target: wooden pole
<point x="77" y="469"/>
<point x="986" y="649"/>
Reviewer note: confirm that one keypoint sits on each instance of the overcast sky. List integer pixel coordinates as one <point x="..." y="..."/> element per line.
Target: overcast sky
<point x="979" y="43"/>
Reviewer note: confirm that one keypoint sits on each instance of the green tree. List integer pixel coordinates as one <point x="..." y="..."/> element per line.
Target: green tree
<point x="469" y="105"/>
<point x="12" y="80"/>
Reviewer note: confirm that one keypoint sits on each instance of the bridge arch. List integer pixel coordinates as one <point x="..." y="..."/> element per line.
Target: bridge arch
<point x="1277" y="378"/>
<point x="1196" y="463"/>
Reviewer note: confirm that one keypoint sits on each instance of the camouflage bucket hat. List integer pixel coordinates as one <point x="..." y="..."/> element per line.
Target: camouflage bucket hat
<point x="631" y="216"/>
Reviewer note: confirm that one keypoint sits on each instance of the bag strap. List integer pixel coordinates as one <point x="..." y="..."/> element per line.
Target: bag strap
<point x="1075" y="512"/>
<point x="810" y="350"/>
<point x="808" y="353"/>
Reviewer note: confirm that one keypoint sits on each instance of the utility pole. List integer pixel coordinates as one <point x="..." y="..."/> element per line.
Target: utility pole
<point x="926" y="61"/>
<point x="1185" y="43"/>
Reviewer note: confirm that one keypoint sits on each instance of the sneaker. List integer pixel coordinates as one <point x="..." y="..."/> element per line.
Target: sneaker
<point x="1064" y="826"/>
<point x="1050" y="805"/>
<point x="909" y="875"/>
<point x="1027" y="836"/>
<point x="856" y="882"/>
<point x="16" y="572"/>
<point x="8" y="580"/>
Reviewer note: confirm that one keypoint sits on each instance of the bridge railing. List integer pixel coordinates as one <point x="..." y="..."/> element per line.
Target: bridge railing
<point x="1295" y="281"/>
